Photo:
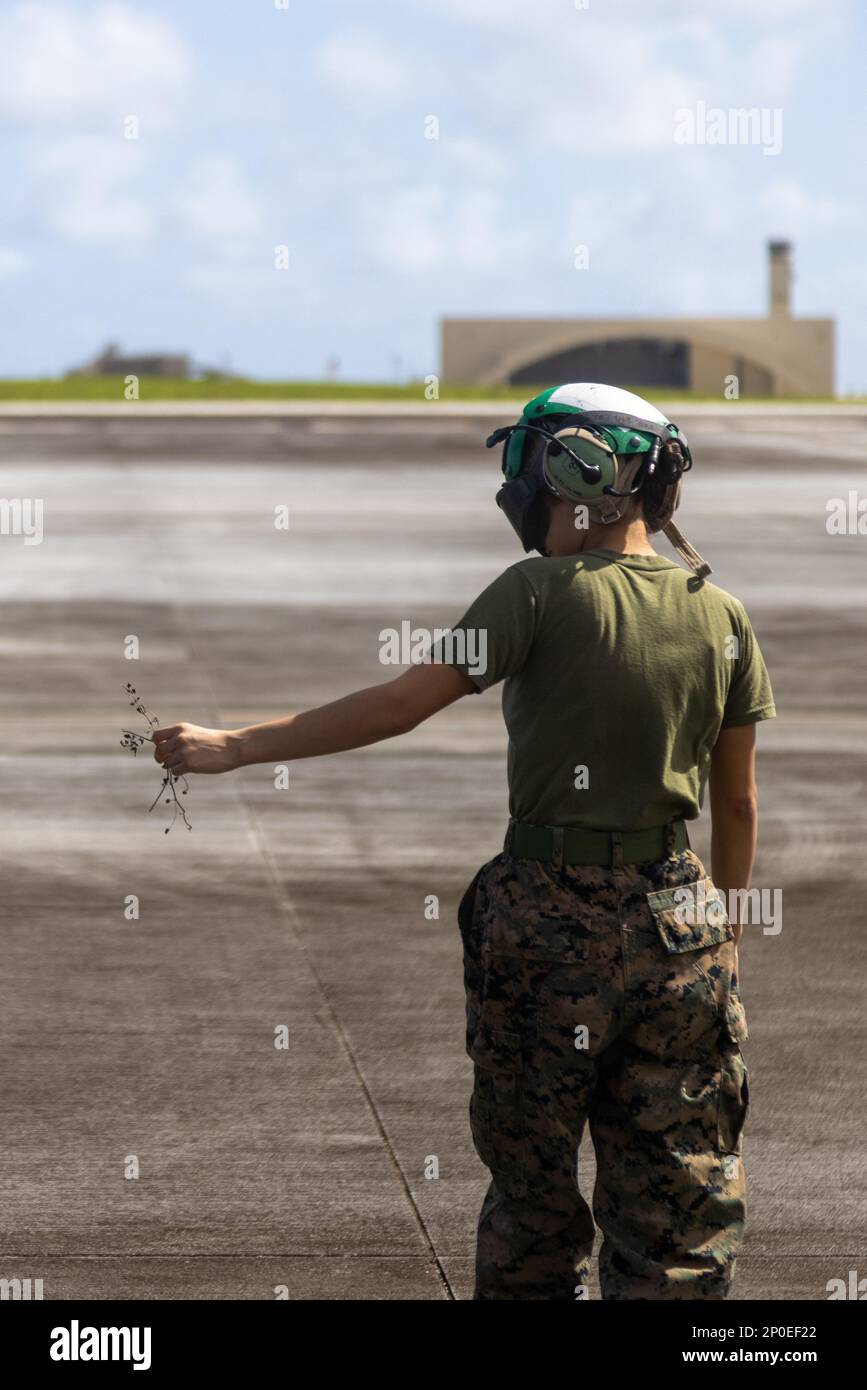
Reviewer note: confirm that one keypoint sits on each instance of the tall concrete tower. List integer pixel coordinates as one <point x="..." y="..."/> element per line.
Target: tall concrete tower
<point x="780" y="268"/>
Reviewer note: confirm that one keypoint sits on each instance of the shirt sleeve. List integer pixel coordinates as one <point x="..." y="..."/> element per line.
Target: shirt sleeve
<point x="750" y="697"/>
<point x="494" y="637"/>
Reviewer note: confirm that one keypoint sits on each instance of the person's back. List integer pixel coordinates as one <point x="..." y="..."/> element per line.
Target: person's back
<point x="620" y="671"/>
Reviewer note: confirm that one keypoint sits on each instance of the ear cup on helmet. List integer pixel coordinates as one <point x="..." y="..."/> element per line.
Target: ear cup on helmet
<point x="563" y="471"/>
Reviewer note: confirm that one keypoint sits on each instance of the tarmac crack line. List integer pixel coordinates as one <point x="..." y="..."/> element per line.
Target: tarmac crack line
<point x="289" y="912"/>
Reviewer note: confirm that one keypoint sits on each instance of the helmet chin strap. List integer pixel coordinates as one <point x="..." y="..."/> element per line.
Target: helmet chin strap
<point x="687" y="552"/>
<point x="608" y="509"/>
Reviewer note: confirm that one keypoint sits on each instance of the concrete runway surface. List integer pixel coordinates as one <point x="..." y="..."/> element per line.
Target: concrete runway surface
<point x="303" y="907"/>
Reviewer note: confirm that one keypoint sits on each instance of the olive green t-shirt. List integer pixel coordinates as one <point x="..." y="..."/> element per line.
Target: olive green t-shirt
<point x="620" y="671"/>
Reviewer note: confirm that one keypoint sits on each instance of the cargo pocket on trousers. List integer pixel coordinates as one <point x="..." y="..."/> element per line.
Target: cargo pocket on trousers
<point x="690" y="916"/>
<point x="734" y="1096"/>
<point x="734" y="1100"/>
<point x="693" y="928"/>
<point x="496" y="1107"/>
<point x="736" y="1019"/>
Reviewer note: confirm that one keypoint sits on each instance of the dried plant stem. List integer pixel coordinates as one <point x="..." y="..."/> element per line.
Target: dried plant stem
<point x="133" y="741"/>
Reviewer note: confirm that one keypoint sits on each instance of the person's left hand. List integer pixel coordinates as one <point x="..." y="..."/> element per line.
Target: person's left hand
<point x="183" y="748"/>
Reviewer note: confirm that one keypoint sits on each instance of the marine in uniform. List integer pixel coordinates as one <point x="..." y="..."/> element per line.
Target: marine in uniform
<point x="600" y="960"/>
<point x="600" y="963"/>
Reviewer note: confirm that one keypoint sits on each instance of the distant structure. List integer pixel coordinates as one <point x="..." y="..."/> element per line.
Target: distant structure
<point x="112" y="362"/>
<point x="775" y="356"/>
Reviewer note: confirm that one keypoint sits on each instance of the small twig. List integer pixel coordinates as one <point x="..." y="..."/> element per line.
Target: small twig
<point x="133" y="741"/>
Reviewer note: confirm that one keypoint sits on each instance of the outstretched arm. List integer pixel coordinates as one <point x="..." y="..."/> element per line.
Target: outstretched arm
<point x="365" y="716"/>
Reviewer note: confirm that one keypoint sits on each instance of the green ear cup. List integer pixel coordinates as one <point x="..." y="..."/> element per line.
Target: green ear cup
<point x="563" y="471"/>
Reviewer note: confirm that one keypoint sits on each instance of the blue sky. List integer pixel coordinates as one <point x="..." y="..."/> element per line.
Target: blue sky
<point x="304" y="126"/>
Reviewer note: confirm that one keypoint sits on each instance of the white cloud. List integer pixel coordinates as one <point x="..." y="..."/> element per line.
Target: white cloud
<point x="361" y="66"/>
<point x="216" y="204"/>
<point x="404" y="231"/>
<point x="80" y="184"/>
<point x="718" y="286"/>
<point x="787" y="207"/>
<point x="98" y="64"/>
<point x="607" y="81"/>
<point x="480" y="159"/>
<point x="504" y="14"/>
<point x="767" y="13"/>
<point x="422" y="228"/>
<point x="578" y="109"/>
<point x="549" y="18"/>
<point x="69" y="78"/>
<point x="481" y="236"/>
<point x="600" y="222"/>
<point x="11" y="261"/>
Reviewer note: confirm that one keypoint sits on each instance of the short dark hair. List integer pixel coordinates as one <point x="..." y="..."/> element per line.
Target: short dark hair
<point x="660" y="493"/>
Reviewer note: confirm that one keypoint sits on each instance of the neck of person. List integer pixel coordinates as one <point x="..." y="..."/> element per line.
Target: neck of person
<point x="628" y="536"/>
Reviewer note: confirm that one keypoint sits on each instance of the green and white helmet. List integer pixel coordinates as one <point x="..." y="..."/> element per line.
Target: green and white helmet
<point x="599" y="445"/>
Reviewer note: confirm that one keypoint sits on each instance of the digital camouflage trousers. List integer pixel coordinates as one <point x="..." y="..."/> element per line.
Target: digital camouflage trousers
<point x="606" y="997"/>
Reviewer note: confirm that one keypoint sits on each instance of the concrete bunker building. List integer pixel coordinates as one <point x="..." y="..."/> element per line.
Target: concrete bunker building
<point x="779" y="355"/>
